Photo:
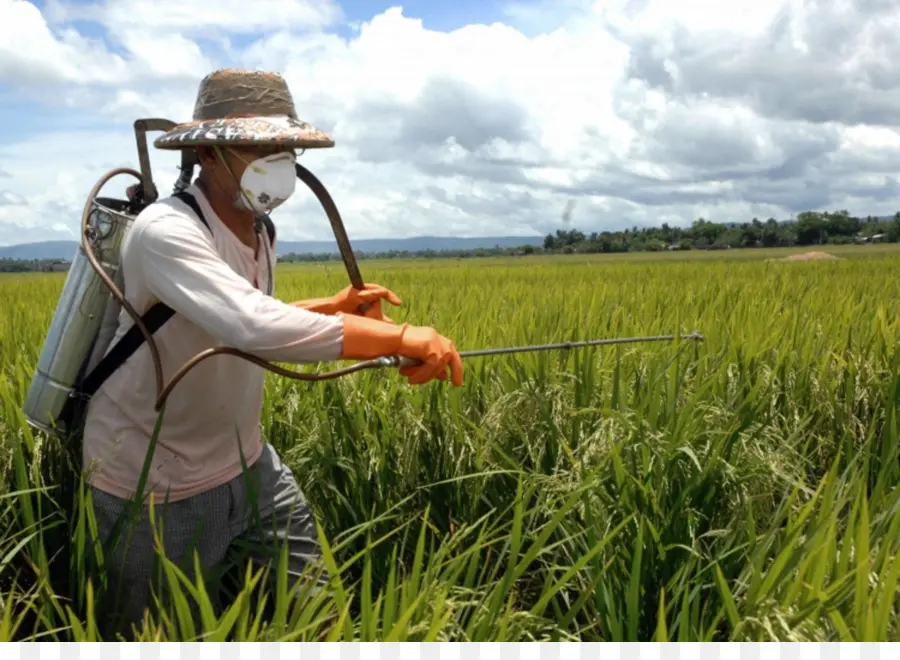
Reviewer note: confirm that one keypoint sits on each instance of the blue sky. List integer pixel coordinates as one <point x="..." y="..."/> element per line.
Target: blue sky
<point x="59" y="128"/>
<point x="21" y="116"/>
<point x="643" y="111"/>
<point x="440" y="15"/>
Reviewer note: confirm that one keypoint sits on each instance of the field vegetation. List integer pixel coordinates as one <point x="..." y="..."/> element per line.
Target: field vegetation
<point x="743" y="488"/>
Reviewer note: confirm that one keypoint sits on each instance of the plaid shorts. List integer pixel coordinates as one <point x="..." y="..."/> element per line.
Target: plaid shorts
<point x="226" y="526"/>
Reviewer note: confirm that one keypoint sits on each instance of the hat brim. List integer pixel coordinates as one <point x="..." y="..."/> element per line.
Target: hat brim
<point x="245" y="131"/>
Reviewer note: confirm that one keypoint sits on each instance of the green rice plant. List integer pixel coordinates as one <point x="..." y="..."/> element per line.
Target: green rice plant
<point x="744" y="488"/>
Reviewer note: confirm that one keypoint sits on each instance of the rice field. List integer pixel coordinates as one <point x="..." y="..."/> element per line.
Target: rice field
<point x="743" y="488"/>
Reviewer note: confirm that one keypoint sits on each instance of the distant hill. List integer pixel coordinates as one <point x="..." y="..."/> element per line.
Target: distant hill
<point x="44" y="250"/>
<point x="66" y="249"/>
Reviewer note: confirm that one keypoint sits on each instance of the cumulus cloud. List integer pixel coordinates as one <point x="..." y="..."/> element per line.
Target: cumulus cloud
<point x="643" y="111"/>
<point x="31" y="54"/>
<point x="818" y="61"/>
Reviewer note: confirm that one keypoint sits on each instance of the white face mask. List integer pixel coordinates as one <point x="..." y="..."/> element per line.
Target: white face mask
<point x="267" y="182"/>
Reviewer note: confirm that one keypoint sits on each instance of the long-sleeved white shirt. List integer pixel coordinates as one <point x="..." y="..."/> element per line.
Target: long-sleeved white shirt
<point x="216" y="286"/>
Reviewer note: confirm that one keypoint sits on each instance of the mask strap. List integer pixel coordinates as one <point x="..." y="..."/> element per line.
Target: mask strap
<point x="259" y="223"/>
<point x="238" y="156"/>
<point x="233" y="177"/>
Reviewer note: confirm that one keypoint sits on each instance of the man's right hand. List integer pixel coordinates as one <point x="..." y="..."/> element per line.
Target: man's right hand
<point x="366" y="338"/>
<point x="436" y="354"/>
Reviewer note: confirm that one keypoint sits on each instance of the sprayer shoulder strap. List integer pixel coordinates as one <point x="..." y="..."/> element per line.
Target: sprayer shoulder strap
<point x="191" y="201"/>
<point x="154" y="318"/>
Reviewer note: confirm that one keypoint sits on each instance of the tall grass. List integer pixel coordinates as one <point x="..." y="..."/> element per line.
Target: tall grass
<point x="739" y="489"/>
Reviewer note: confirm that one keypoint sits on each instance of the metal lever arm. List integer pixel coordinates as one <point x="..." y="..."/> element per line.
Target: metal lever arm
<point x="337" y="225"/>
<point x="141" y="126"/>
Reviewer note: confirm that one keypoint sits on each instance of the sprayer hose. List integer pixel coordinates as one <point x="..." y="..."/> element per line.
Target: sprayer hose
<point x="163" y="392"/>
<point x="86" y="234"/>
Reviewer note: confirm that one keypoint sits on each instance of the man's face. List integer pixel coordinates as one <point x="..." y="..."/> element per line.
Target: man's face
<point x="237" y="159"/>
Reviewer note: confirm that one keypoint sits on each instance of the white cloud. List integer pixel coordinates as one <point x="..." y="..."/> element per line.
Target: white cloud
<point x="646" y="111"/>
<point x="31" y="53"/>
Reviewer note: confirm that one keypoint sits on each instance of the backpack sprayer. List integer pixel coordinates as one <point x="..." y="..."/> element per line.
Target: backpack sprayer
<point x="77" y="357"/>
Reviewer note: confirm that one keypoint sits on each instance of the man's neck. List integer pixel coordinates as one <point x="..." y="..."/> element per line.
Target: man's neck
<point x="240" y="223"/>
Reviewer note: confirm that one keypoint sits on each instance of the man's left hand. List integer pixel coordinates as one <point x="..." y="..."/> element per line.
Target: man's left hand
<point x="350" y="299"/>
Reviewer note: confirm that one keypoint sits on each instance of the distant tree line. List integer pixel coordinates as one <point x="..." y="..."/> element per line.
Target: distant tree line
<point x="32" y="265"/>
<point x="809" y="228"/>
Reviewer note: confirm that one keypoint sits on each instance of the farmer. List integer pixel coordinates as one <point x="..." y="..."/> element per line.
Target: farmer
<point x="217" y="274"/>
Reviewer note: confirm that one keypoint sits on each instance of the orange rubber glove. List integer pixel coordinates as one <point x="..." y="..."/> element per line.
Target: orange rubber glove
<point x="366" y="338"/>
<point x="348" y="301"/>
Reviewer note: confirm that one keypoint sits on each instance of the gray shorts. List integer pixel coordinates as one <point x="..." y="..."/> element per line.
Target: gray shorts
<point x="222" y="526"/>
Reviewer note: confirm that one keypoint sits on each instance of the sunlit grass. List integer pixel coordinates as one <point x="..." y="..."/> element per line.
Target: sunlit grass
<point x="739" y="489"/>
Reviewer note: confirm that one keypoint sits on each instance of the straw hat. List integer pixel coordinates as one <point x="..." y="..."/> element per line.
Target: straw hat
<point x="239" y="108"/>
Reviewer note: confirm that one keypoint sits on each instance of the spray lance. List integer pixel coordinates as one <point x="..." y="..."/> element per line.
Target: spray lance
<point x="76" y="343"/>
<point x="350" y="263"/>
